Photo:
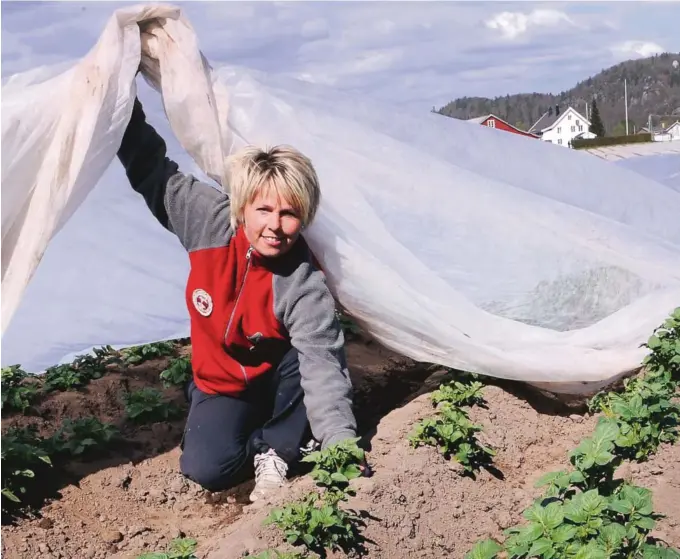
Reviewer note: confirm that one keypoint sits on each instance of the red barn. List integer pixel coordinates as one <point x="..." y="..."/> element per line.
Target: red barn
<point x="492" y="121"/>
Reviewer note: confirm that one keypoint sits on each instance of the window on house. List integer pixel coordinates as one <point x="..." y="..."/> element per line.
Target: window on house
<point x="577" y="122"/>
<point x="568" y="117"/>
<point x="559" y="129"/>
<point x="491" y="123"/>
<point x="559" y="141"/>
<point x="580" y="128"/>
<point x="573" y="128"/>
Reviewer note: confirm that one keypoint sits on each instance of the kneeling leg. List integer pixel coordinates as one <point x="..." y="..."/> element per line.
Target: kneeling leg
<point x="215" y="441"/>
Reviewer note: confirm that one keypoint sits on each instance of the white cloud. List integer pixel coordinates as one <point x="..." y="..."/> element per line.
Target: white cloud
<point x="514" y="24"/>
<point x="638" y="48"/>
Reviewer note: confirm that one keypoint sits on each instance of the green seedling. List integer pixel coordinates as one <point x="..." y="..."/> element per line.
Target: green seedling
<point x="486" y="549"/>
<point x="452" y="432"/>
<point x="645" y="413"/>
<point x="138" y="354"/>
<point x="335" y="466"/>
<point x="319" y="524"/>
<point x="81" y="371"/>
<point x="65" y="377"/>
<point x="585" y="525"/>
<point x="181" y="548"/>
<point x="81" y="436"/>
<point x="585" y="513"/>
<point x="148" y="406"/>
<point x="17" y="393"/>
<point x="96" y="364"/>
<point x="664" y="346"/>
<point x="22" y="455"/>
<point x="460" y="392"/>
<point x="178" y="373"/>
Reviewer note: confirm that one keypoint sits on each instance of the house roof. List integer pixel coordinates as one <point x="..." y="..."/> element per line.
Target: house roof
<point x="548" y="121"/>
<point x="480" y="119"/>
<point x="660" y="129"/>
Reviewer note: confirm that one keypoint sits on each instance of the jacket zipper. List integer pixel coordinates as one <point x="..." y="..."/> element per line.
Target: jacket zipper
<point x="233" y="312"/>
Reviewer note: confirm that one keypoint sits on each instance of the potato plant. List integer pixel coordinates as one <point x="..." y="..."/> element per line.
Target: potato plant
<point x="81" y="436"/>
<point x="465" y="390"/>
<point x="585" y="512"/>
<point x="178" y="373"/>
<point x="664" y="346"/>
<point x="317" y="522"/>
<point x="81" y="371"/>
<point x="138" y="354"/>
<point x="22" y="455"/>
<point x="17" y="393"/>
<point x="147" y="405"/>
<point x="451" y="429"/>
<point x="645" y="413"/>
<point x="180" y="548"/>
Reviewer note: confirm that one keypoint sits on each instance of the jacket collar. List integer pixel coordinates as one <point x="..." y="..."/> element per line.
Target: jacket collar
<point x="246" y="250"/>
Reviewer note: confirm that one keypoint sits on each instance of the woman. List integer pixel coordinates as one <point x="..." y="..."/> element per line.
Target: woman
<point x="268" y="360"/>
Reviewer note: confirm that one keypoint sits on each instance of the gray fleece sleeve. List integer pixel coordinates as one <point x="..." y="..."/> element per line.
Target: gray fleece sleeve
<point x="194" y="211"/>
<point x="306" y="307"/>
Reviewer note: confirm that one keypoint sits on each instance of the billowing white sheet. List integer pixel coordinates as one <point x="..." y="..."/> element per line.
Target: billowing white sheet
<point x="451" y="243"/>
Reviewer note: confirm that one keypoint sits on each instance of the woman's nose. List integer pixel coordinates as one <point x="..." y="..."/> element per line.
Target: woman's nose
<point x="274" y="221"/>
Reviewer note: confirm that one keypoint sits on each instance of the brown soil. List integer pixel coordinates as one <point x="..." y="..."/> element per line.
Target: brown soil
<point x="134" y="499"/>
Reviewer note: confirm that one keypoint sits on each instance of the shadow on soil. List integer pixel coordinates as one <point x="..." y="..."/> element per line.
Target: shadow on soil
<point x="383" y="381"/>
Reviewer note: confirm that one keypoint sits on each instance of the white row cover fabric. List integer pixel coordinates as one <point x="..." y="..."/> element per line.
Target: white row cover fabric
<point x="450" y="243"/>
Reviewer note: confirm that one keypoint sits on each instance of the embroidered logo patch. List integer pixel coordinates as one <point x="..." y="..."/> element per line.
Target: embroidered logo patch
<point x="202" y="301"/>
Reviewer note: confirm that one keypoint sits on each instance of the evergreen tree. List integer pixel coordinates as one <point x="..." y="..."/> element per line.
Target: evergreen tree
<point x="596" y="126"/>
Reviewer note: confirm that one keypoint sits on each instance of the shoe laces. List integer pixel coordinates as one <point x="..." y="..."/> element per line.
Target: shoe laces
<point x="270" y="468"/>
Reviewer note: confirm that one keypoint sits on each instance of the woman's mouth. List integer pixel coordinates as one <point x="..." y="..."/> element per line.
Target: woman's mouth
<point x="272" y="241"/>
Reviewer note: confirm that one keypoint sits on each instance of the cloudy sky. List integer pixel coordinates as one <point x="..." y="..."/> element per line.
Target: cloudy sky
<point x="422" y="54"/>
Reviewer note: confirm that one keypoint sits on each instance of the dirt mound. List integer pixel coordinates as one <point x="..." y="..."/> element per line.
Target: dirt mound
<point x="419" y="504"/>
<point x="133" y="499"/>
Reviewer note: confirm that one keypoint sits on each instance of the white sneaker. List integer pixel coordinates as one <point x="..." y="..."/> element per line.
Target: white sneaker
<point x="270" y="474"/>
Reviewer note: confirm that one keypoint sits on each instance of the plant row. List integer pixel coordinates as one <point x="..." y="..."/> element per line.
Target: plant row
<point x="451" y="429"/>
<point x="21" y="390"/>
<point x="26" y="456"/>
<point x="585" y="512"/>
<point x="320" y="521"/>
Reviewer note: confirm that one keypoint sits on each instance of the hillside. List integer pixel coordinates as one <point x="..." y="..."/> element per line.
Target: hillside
<point x="653" y="87"/>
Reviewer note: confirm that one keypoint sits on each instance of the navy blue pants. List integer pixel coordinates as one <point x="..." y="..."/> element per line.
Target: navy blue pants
<point x="223" y="433"/>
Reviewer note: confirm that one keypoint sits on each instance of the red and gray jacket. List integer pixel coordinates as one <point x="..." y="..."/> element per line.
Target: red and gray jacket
<point x="246" y="311"/>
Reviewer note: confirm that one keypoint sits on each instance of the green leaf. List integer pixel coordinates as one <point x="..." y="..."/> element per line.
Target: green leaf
<point x="486" y="549"/>
<point x="612" y="536"/>
<point x="646" y="523"/>
<point x="654" y="342"/>
<point x="10" y="495"/>
<point x="652" y="552"/>
<point x="563" y="533"/>
<point x="542" y="548"/>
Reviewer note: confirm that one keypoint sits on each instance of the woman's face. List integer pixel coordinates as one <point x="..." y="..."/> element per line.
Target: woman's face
<point x="271" y="224"/>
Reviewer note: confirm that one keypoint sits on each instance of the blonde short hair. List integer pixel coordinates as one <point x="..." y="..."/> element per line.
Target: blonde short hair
<point x="283" y="168"/>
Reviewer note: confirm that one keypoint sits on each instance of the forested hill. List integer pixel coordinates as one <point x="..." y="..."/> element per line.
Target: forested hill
<point x="653" y="87"/>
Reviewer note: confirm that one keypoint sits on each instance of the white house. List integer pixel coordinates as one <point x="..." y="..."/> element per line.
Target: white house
<point x="664" y="133"/>
<point x="673" y="131"/>
<point x="561" y="126"/>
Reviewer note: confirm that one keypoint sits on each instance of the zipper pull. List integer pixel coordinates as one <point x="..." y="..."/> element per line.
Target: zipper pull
<point x="250" y="250"/>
